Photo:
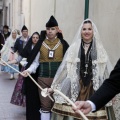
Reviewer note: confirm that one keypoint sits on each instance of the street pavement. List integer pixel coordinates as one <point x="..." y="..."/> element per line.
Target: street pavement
<point x="9" y="111"/>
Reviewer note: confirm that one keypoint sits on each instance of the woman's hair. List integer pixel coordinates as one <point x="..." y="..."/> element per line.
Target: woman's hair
<point x="35" y="33"/>
<point x="88" y="21"/>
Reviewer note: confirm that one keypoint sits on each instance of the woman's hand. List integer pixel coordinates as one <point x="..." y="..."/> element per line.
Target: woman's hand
<point x="1" y="63"/>
<point x="12" y="62"/>
<point x="25" y="73"/>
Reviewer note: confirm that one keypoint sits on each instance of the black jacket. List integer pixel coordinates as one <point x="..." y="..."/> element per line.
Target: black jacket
<point x="1" y="40"/>
<point x="18" y="47"/>
<point x="109" y="88"/>
<point x="6" y="35"/>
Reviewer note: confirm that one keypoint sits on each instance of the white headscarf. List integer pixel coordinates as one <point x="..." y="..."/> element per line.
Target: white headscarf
<point x="67" y="77"/>
<point x="7" y="46"/>
<point x="11" y="38"/>
<point x="10" y="41"/>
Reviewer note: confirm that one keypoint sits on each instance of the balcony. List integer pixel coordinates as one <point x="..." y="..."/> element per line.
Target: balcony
<point x="1" y="5"/>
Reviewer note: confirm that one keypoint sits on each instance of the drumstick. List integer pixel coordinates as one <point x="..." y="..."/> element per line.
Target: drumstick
<point x="28" y="75"/>
<point x="57" y="91"/>
<point x="38" y="85"/>
<point x="2" y="64"/>
<point x="12" y="51"/>
<point x="66" y="98"/>
<point x="11" y="66"/>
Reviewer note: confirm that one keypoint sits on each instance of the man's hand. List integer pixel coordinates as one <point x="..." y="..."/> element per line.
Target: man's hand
<point x="84" y="106"/>
<point x="50" y="90"/>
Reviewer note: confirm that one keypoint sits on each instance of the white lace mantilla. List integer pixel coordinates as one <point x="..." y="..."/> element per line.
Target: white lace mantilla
<point x="67" y="77"/>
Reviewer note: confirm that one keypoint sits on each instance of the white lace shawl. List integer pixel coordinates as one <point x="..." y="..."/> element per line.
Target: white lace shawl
<point x="67" y="77"/>
<point x="7" y="46"/>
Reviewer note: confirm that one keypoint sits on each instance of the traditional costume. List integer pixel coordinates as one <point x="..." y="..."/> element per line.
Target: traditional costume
<point x="49" y="55"/>
<point x="26" y="92"/>
<point x="20" y="44"/>
<point x="80" y="75"/>
<point x="6" y="34"/>
<point x="7" y="55"/>
<point x="1" y="41"/>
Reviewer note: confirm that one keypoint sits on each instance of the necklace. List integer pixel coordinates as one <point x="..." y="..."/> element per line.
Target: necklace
<point x="51" y="52"/>
<point x="86" y="47"/>
<point x="87" y="56"/>
<point x="86" y="42"/>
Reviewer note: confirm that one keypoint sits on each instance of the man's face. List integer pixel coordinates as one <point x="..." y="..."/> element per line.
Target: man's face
<point x="51" y="32"/>
<point x="25" y="33"/>
<point x="5" y="30"/>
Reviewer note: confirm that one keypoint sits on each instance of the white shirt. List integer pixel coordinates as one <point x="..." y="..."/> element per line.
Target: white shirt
<point x="92" y="105"/>
<point x="34" y="65"/>
<point x="20" y="57"/>
<point x="25" y="39"/>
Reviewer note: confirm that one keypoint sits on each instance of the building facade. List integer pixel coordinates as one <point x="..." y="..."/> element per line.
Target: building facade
<point x="69" y="13"/>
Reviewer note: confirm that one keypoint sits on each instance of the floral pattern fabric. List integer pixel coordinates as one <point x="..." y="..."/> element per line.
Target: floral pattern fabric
<point x="18" y="98"/>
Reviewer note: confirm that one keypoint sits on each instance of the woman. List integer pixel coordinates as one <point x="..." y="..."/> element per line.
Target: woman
<point x="7" y="54"/>
<point x="84" y="67"/>
<point x="30" y="89"/>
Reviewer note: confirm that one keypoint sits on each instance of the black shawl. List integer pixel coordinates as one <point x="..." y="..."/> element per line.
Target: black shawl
<point x="26" y="52"/>
<point x="1" y="41"/>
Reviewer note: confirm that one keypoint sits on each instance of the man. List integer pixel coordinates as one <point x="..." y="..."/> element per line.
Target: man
<point x="1" y="41"/>
<point x="6" y="32"/>
<point x="48" y="52"/>
<point x="103" y="95"/>
<point x="21" y="41"/>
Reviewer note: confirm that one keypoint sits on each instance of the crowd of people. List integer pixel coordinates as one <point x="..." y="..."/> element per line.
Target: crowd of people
<point x="77" y="70"/>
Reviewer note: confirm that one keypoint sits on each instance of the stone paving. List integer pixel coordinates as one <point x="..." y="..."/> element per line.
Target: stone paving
<point x="116" y="107"/>
<point x="9" y="111"/>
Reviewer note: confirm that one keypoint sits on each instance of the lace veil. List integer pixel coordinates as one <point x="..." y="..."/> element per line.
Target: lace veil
<point x="67" y="77"/>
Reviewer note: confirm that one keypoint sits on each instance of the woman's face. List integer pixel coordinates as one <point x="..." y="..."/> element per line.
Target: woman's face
<point x="14" y="34"/>
<point x="35" y="38"/>
<point x="87" y="32"/>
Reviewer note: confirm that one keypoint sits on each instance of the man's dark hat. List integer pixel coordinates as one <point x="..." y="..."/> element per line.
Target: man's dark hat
<point x="24" y="28"/>
<point x="52" y="22"/>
